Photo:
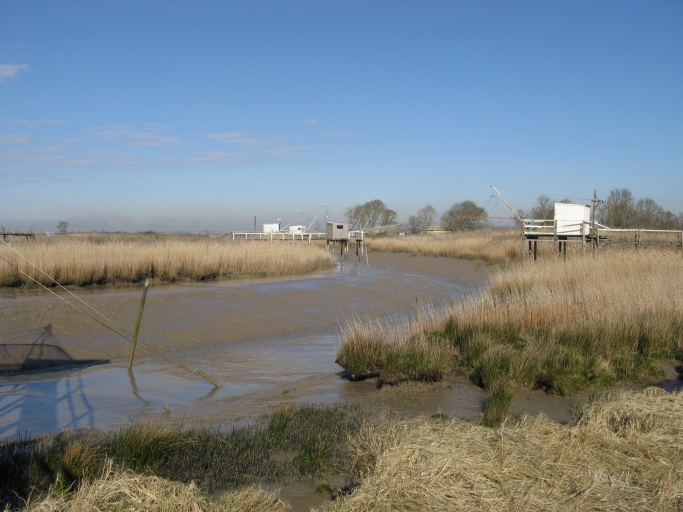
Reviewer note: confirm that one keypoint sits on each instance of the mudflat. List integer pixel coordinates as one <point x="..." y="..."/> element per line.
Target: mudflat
<point x="267" y="341"/>
<point x="193" y="315"/>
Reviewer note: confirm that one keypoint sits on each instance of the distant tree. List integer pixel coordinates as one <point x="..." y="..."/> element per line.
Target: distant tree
<point x="464" y="215"/>
<point x="425" y="217"/>
<point x="648" y="214"/>
<point x="543" y="209"/>
<point x="618" y="209"/>
<point x="388" y="217"/>
<point x="622" y="210"/>
<point x="62" y="227"/>
<point x="368" y="215"/>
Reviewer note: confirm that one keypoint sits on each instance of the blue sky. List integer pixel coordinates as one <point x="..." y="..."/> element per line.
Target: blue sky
<point x="126" y="115"/>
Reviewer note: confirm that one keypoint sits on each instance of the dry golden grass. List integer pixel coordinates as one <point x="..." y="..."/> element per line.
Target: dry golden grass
<point x="561" y="326"/>
<point x="121" y="490"/>
<point x="88" y="260"/>
<point x="623" y="452"/>
<point x="490" y="245"/>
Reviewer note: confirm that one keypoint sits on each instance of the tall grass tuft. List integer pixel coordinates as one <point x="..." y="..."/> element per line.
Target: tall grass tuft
<point x="109" y="259"/>
<point x="396" y="351"/>
<point x="561" y="326"/>
<point x="498" y="400"/>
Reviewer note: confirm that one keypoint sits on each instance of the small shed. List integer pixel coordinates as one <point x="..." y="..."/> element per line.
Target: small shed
<point x="271" y="228"/>
<point x="298" y="230"/>
<point x="572" y="219"/>
<point x="337" y="231"/>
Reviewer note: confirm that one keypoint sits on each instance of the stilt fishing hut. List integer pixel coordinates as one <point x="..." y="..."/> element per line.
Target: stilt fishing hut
<point x="338" y="232"/>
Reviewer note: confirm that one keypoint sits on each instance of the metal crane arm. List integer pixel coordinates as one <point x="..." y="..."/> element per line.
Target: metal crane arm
<point x="508" y="204"/>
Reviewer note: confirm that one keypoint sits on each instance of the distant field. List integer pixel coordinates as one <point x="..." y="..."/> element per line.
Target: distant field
<point x="497" y="246"/>
<point x="115" y="259"/>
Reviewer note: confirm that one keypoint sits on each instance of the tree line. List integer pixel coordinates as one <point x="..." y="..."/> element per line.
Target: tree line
<point x="619" y="210"/>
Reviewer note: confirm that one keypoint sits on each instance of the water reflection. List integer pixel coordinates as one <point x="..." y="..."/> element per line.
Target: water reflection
<point x="44" y="406"/>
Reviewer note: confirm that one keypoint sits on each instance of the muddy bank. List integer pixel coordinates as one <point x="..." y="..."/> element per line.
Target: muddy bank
<point x="194" y="315"/>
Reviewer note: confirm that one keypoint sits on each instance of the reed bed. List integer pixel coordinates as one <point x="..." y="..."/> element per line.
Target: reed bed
<point x="81" y="261"/>
<point x="559" y="326"/>
<point x="622" y="452"/>
<point x="491" y="245"/>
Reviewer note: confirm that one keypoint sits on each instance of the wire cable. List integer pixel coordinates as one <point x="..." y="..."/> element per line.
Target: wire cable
<point x="520" y="190"/>
<point x="127" y="336"/>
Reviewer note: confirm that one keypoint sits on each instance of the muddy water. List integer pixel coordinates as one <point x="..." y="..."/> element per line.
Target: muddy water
<point x="267" y="342"/>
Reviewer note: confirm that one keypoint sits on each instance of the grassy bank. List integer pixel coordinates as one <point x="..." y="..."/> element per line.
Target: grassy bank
<point x="622" y="452"/>
<point x="561" y="326"/>
<point x="288" y="444"/>
<point x="490" y="245"/>
<point x="112" y="259"/>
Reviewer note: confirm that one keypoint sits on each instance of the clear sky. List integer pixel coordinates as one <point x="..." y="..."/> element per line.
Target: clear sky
<point x="167" y="115"/>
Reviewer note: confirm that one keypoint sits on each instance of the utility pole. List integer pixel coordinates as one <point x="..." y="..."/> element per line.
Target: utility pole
<point x="254" y="223"/>
<point x="596" y="238"/>
<point x="326" y="207"/>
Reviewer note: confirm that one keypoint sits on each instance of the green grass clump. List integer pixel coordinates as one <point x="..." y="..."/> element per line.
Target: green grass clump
<point x="213" y="458"/>
<point x="499" y="397"/>
<point x="366" y="353"/>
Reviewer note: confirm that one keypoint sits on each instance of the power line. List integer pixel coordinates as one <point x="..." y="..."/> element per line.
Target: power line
<point x="520" y="190"/>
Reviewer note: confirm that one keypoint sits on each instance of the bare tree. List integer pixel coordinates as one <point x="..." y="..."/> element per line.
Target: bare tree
<point x="543" y="209"/>
<point x="425" y="217"/>
<point x="617" y="211"/>
<point x="62" y="226"/>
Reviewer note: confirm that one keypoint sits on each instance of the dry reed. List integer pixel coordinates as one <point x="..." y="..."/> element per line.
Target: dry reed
<point x="73" y="260"/>
<point x="490" y="245"/>
<point x="561" y="326"/>
<point x="623" y="452"/>
<point x="121" y="490"/>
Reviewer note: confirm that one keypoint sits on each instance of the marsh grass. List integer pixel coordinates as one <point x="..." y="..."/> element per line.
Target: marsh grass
<point x="490" y="245"/>
<point x="561" y="326"/>
<point x="214" y="459"/>
<point x="394" y="352"/>
<point x="621" y="452"/>
<point x="499" y="397"/>
<point x="116" y="259"/>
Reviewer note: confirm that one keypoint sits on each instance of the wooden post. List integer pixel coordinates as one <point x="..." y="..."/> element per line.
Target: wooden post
<point x="212" y="381"/>
<point x="137" y="325"/>
<point x="555" y="240"/>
